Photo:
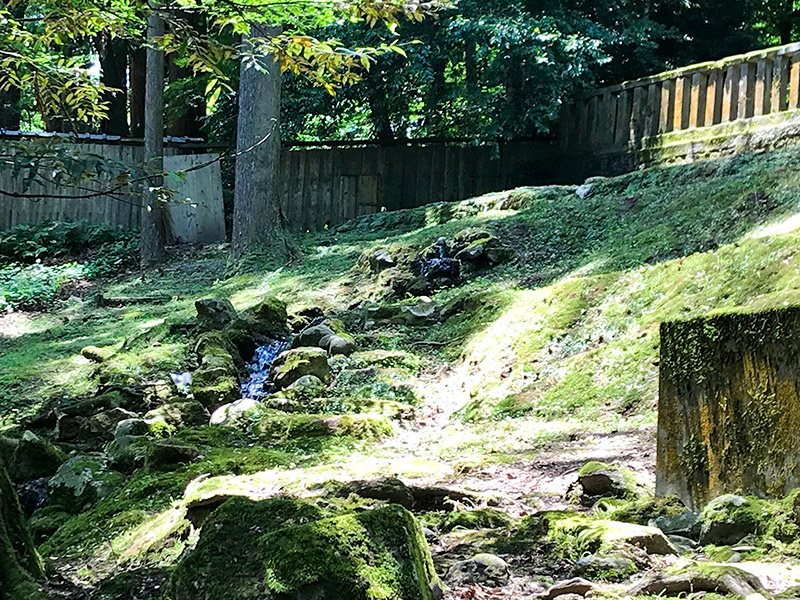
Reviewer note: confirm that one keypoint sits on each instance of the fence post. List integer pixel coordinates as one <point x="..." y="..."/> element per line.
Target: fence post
<point x="794" y="83"/>
<point x="697" y="106"/>
<point x="763" y="88"/>
<point x="667" y="106"/>
<point x="714" y="98"/>
<point x="622" y="135"/>
<point x="653" y="109"/>
<point x="730" y="94"/>
<point x="780" y="83"/>
<point x="747" y="79"/>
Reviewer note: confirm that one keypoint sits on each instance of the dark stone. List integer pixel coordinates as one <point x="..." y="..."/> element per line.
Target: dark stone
<point x="483" y="569"/>
<point x="380" y="260"/>
<point x="685" y="525"/>
<point x="214" y="313"/>
<point x="388" y="489"/>
<point x="166" y="456"/>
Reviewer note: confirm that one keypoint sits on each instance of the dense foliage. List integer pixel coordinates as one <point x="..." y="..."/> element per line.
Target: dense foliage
<point x="37" y="261"/>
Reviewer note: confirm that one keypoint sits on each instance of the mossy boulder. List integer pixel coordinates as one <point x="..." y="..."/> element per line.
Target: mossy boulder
<point x="387" y="489"/>
<point x="291" y="365"/>
<point x="597" y="567"/>
<point x="266" y="320"/>
<point x="285" y="551"/>
<point x="97" y="354"/>
<point x="276" y="426"/>
<point x="729" y="518"/>
<point x="46" y="521"/>
<point x="213" y="388"/>
<point x="214" y="313"/>
<point x="598" y="480"/>
<point x="167" y="455"/>
<point x="579" y="535"/>
<point x="104" y="424"/>
<point x="34" y="457"/>
<point x="83" y="481"/>
<point x="329" y="335"/>
<point x="231" y="414"/>
<point x="215" y="343"/>
<point x="126" y="453"/>
<point x="482" y="518"/>
<point x="388" y="384"/>
<point x="185" y="413"/>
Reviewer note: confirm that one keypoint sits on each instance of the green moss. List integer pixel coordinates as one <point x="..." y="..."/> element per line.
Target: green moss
<point x="278" y="427"/>
<point x="483" y="518"/>
<point x="641" y="511"/>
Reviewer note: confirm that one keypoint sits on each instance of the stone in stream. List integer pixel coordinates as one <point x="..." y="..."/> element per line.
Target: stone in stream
<point x="229" y="414"/>
<point x="214" y="313"/>
<point x="291" y="365"/>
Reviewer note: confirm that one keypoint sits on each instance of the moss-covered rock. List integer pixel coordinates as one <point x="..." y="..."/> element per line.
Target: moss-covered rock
<point x="34" y="457"/>
<point x="597" y="567"/>
<point x="291" y="365"/>
<point x="214" y="313"/>
<point x="483" y="569"/>
<point x="185" y="413"/>
<point x="46" y="521"/>
<point x="642" y="511"/>
<point x="482" y="518"/>
<point x="577" y="535"/>
<point x="281" y="550"/>
<point x="275" y="426"/>
<point x="598" y="480"/>
<point x="729" y="518"/>
<point x="266" y="320"/>
<point x="227" y="563"/>
<point x="82" y="481"/>
<point x="700" y="577"/>
<point x="214" y="387"/>
<point x="166" y="455"/>
<point x="215" y="343"/>
<point x="385" y="359"/>
<point x="388" y="384"/>
<point x="231" y="414"/>
<point x="387" y="489"/>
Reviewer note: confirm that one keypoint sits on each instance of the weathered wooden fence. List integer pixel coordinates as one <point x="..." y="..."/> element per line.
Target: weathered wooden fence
<point x="326" y="187"/>
<point x="627" y="116"/>
<point x="319" y="186"/>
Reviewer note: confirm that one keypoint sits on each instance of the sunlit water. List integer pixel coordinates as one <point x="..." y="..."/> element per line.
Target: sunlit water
<point x="259" y="383"/>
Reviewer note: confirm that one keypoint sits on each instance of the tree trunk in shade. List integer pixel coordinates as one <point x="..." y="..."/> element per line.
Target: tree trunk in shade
<point x="153" y="227"/>
<point x="257" y="222"/>
<point x="20" y="565"/>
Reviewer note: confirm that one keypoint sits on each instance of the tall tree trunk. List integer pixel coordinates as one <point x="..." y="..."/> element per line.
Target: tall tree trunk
<point x="257" y="222"/>
<point x="138" y="78"/>
<point x="20" y="565"/>
<point x="153" y="238"/>
<point x="113" y="54"/>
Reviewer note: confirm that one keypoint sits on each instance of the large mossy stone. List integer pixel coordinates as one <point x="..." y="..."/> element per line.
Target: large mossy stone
<point x="280" y="549"/>
<point x="729" y="406"/>
<point x="291" y="365"/>
<point x="266" y="320"/>
<point x="276" y="427"/>
<point x="729" y="518"/>
<point x="81" y="482"/>
<point x="214" y="313"/>
<point x="34" y="457"/>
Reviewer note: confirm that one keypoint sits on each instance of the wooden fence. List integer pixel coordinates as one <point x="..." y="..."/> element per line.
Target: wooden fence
<point x="320" y="187"/>
<point x="626" y="116"/>
<point x="326" y="187"/>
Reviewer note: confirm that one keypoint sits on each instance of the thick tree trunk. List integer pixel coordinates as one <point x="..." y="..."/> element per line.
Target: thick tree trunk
<point x="20" y="565"/>
<point x="153" y="235"/>
<point x="138" y="79"/>
<point x="114" y="64"/>
<point x="257" y="223"/>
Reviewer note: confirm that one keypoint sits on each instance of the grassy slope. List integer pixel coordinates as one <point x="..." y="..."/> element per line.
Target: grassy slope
<point x="568" y="334"/>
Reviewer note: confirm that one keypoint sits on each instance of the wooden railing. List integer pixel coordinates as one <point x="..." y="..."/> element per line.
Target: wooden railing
<point x="733" y="89"/>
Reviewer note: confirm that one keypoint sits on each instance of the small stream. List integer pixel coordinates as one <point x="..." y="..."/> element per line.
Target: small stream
<point x="259" y="384"/>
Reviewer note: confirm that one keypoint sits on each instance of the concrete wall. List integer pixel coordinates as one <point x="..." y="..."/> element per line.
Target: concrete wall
<point x="729" y="406"/>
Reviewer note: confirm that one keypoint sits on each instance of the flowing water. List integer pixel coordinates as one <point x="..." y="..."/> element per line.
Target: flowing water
<point x="259" y="383"/>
